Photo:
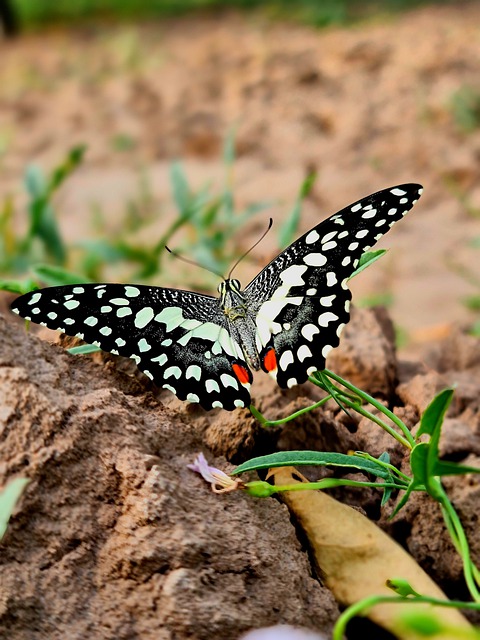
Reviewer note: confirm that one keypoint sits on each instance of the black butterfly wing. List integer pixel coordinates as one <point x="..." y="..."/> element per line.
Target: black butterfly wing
<point x="179" y="339"/>
<point x="301" y="299"/>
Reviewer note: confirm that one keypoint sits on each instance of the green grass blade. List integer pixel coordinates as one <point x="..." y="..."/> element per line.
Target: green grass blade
<point x="8" y="499"/>
<point x="83" y="349"/>
<point x="289" y="229"/>
<point x="180" y="188"/>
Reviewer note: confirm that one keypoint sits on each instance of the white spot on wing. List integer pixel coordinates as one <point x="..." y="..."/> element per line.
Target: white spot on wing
<point x="308" y="331"/>
<point x="170" y="388"/>
<point x="105" y="331"/>
<point x="71" y="304"/>
<point x="340" y="328"/>
<point x="312" y="237"/>
<point x="329" y="245"/>
<point x="212" y="385"/>
<point x="397" y="192"/>
<point x="143" y="317"/>
<point x="271" y="309"/>
<point x="35" y="298"/>
<point x="326" y="350"/>
<point x="362" y="233"/>
<point x="174" y="371"/>
<point x="91" y="321"/>
<point x="143" y="345"/>
<point x="327" y="301"/>
<point x="325" y="318"/>
<point x="330" y="236"/>
<point x="315" y="259"/>
<point x="331" y="279"/>
<point x="228" y="380"/>
<point x="285" y="359"/>
<point x="192" y="397"/>
<point x="193" y="371"/>
<point x="371" y="213"/>
<point x="304" y="352"/>
<point x="131" y="292"/>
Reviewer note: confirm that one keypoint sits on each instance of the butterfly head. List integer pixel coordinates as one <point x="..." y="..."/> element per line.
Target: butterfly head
<point x="232" y="299"/>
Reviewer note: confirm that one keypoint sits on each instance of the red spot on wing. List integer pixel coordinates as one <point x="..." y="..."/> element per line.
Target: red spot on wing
<point x="270" y="360"/>
<point x="242" y="373"/>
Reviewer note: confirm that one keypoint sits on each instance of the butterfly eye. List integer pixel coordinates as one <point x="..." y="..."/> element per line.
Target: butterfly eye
<point x="236" y="284"/>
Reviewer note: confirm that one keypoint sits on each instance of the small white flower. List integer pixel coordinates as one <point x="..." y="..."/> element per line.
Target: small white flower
<point x="219" y="480"/>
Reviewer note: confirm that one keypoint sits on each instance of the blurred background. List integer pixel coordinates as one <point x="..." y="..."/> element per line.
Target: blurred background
<point x="127" y="124"/>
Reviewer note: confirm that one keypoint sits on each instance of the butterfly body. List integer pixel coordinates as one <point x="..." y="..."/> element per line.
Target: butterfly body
<point x="203" y="348"/>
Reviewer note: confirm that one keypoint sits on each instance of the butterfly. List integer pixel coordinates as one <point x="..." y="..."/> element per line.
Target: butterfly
<point x="204" y="348"/>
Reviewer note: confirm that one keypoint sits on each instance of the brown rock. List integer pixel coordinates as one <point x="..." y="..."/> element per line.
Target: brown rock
<point x="366" y="355"/>
<point x="115" y="537"/>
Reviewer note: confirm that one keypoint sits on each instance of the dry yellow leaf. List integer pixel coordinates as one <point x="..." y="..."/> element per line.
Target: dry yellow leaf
<point x="357" y="558"/>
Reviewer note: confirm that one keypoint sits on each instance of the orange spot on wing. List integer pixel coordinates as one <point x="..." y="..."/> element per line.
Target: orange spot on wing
<point x="242" y="373"/>
<point x="270" y="360"/>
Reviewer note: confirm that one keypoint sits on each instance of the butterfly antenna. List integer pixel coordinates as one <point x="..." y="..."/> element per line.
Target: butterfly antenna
<point x="195" y="264"/>
<point x="251" y="248"/>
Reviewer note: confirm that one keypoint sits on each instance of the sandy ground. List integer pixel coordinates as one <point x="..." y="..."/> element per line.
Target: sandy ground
<point x="115" y="538"/>
<point x="367" y="107"/>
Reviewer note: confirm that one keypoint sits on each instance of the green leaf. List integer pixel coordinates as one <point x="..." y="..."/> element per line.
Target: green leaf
<point x="432" y="418"/>
<point x="83" y="349"/>
<point x="404" y="499"/>
<point x="368" y="259"/>
<point x="445" y="468"/>
<point x="35" y="182"/>
<point x="402" y="587"/>
<point x="387" y="494"/>
<point x="180" y="189"/>
<point x="53" y="276"/>
<point x="63" y="170"/>
<point x="424" y="623"/>
<point x="419" y="459"/>
<point x="8" y="499"/>
<point x="229" y="147"/>
<point x="472" y="302"/>
<point x="18" y="286"/>
<point x="289" y="228"/>
<point x="319" y="458"/>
